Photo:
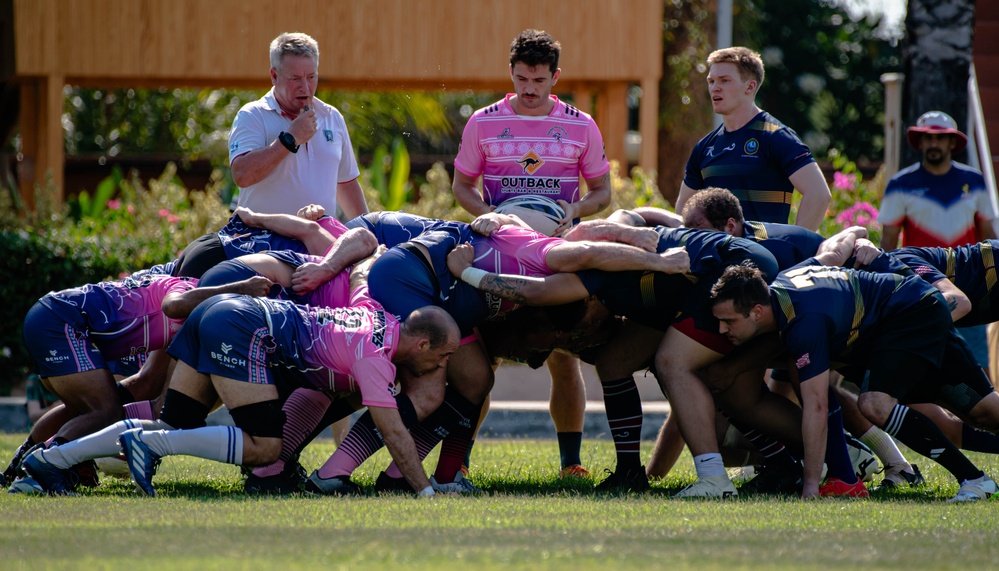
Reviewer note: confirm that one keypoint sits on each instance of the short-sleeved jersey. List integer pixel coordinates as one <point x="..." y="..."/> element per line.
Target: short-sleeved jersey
<point x="753" y="162"/>
<point x="238" y="239"/>
<point x="790" y="245"/>
<point x="124" y="317"/>
<point x="340" y="349"/>
<point x="971" y="268"/>
<point x="936" y="210"/>
<point x="307" y="177"/>
<point x="394" y="228"/>
<point x="522" y="155"/>
<point x="824" y="313"/>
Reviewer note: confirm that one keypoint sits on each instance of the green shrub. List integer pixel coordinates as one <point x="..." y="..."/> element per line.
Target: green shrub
<point x="55" y="248"/>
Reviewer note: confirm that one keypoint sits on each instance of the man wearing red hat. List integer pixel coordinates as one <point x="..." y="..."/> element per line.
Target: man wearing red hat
<point x="939" y="202"/>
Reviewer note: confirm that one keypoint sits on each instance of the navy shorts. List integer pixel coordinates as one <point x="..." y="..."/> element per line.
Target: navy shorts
<point x="402" y="281"/>
<point x="229" y="336"/>
<point x="56" y="346"/>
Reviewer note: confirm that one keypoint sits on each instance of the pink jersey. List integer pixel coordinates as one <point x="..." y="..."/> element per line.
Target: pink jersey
<point x="519" y="154"/>
<point x="356" y="345"/>
<point x="334" y="293"/>
<point x="512" y="250"/>
<point x="123" y="318"/>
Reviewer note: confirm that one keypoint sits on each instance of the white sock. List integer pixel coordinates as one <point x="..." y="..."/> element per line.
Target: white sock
<point x="709" y="465"/>
<point x="219" y="443"/>
<point x="101" y="444"/>
<point x="884" y="447"/>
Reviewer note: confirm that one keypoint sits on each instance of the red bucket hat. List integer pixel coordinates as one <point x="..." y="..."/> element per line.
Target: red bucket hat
<point x="936" y="122"/>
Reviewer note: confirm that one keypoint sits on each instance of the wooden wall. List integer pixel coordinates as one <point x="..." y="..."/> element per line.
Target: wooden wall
<point x="369" y="44"/>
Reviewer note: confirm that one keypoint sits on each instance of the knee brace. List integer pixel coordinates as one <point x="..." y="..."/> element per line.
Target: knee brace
<point x="182" y="412"/>
<point x="264" y="419"/>
<point x="124" y="394"/>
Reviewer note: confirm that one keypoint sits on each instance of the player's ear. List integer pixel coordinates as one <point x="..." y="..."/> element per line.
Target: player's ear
<point x="556" y="75"/>
<point x="730" y="225"/>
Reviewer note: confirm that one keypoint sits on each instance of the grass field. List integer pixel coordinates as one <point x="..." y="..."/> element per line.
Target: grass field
<point x="525" y="519"/>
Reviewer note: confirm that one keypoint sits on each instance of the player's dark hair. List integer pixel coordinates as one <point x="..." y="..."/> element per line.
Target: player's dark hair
<point x="431" y="322"/>
<point x="744" y="285"/>
<point x="535" y="47"/>
<point x="717" y="205"/>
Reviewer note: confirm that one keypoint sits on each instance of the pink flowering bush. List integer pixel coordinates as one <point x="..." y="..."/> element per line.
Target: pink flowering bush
<point x="854" y="199"/>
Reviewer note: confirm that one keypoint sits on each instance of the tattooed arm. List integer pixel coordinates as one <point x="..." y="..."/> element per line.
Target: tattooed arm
<point x="552" y="290"/>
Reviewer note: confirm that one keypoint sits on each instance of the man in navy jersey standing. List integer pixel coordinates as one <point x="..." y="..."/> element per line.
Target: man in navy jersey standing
<point x="752" y="153"/>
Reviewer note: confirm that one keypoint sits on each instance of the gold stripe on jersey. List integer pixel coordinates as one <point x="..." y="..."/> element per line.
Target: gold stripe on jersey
<point x="951" y="270"/>
<point x="858" y="309"/>
<point x="765" y="126"/>
<point x="989" y="261"/>
<point x="764" y="195"/>
<point x="784" y="301"/>
<point x="647" y="287"/>
<point x="756" y="230"/>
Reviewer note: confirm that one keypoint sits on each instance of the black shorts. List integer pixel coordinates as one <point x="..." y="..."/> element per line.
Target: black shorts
<point x="200" y="256"/>
<point x="919" y="358"/>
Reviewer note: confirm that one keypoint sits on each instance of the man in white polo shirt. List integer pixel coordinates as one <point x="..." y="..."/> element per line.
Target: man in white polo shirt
<point x="288" y="149"/>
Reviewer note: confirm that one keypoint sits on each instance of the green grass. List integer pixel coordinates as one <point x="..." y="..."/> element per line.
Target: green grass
<point x="525" y="520"/>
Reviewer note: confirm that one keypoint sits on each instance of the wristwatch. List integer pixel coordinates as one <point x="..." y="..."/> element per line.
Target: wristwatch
<point x="288" y="141"/>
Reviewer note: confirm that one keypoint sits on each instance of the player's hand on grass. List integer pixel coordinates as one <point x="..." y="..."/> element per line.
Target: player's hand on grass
<point x="460" y="258"/>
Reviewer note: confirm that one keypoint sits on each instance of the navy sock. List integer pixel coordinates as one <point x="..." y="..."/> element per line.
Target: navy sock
<point x="978" y="440"/>
<point x="919" y="433"/>
<point x="624" y="415"/>
<point x="569" y="444"/>
<point x="837" y="454"/>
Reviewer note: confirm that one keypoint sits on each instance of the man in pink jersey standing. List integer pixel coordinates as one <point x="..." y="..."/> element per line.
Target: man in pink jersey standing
<point x="531" y="143"/>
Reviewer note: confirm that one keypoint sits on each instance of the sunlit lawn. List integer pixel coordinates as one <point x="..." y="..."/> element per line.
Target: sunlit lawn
<point x="525" y="519"/>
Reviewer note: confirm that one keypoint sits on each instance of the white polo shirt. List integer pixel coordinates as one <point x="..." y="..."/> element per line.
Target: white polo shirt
<point x="307" y="177"/>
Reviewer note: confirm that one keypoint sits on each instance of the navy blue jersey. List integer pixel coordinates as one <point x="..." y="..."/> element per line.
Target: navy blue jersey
<point x="711" y="251"/>
<point x="238" y="239"/>
<point x="971" y="268"/>
<point x="394" y="228"/>
<point x="753" y="162"/>
<point x="790" y="245"/>
<point x="823" y="312"/>
<point x="659" y="300"/>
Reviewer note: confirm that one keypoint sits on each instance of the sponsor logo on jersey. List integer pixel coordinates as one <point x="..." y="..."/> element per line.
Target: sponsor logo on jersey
<point x="328" y="134"/>
<point x="710" y="151"/>
<point x="537" y="185"/>
<point x="378" y="331"/>
<point x="226" y="348"/>
<point x="557" y="133"/>
<point x="751" y="147"/>
<point x="531" y="162"/>
<point x="505" y="134"/>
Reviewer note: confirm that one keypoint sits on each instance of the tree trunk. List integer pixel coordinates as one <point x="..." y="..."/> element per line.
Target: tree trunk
<point x="939" y="35"/>
<point x="684" y="106"/>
